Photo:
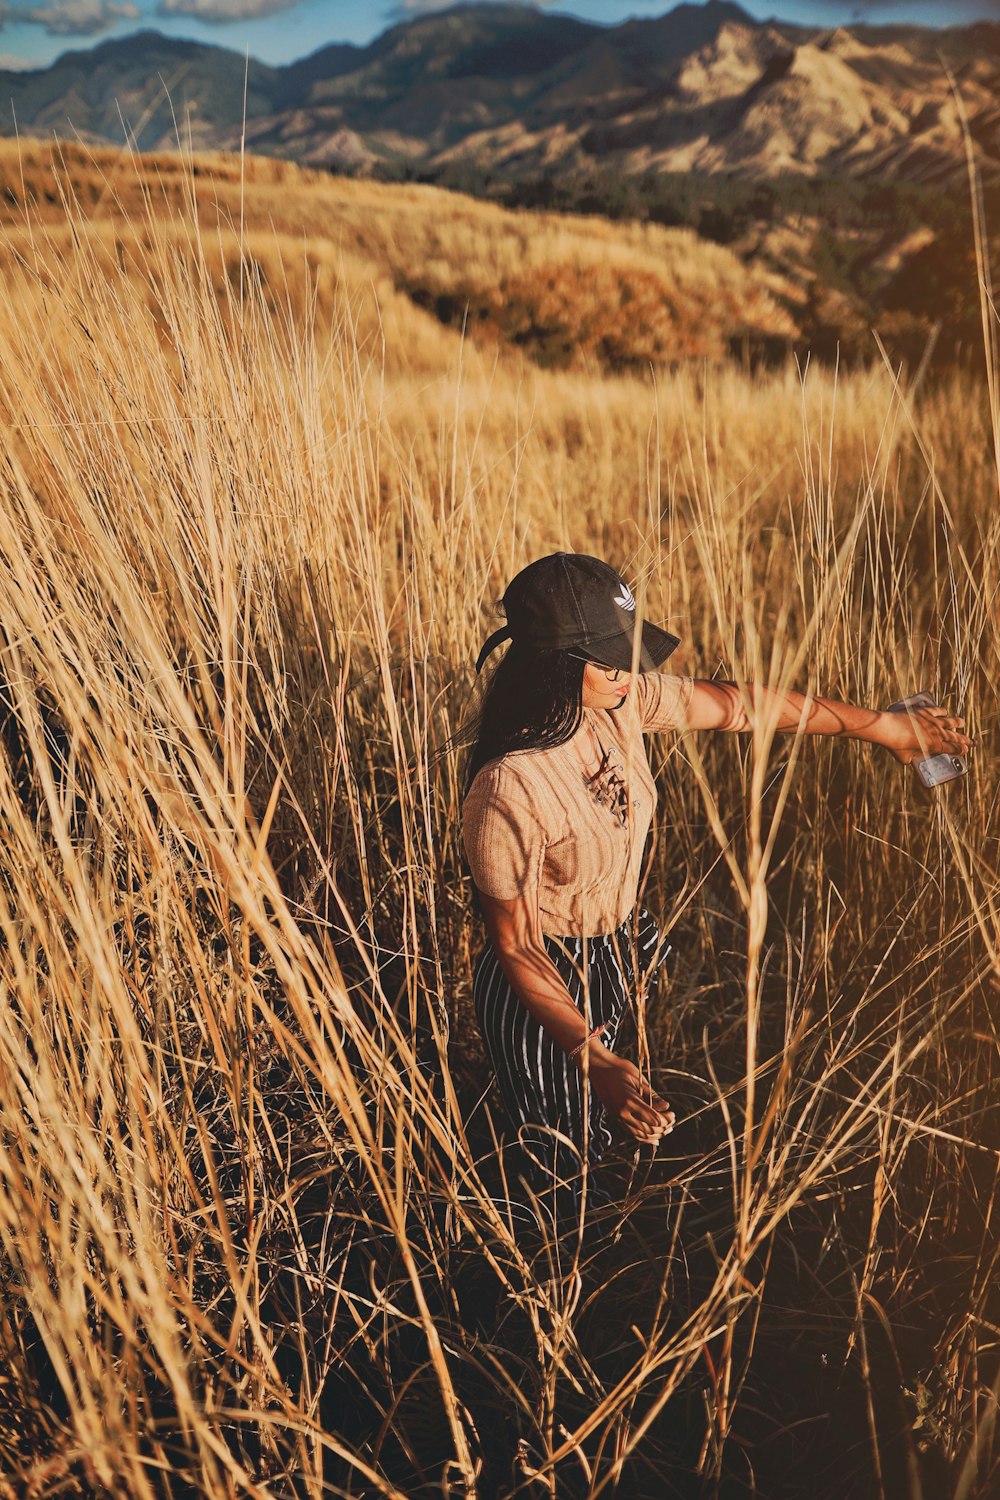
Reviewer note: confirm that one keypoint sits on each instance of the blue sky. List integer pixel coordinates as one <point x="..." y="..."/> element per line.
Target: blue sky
<point x="33" y="32"/>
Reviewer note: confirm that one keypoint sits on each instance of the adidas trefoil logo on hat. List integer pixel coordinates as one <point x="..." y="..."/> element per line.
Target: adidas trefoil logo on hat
<point x="626" y="598"/>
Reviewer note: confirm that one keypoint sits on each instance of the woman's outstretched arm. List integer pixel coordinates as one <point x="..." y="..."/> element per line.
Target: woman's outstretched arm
<point x="908" y="736"/>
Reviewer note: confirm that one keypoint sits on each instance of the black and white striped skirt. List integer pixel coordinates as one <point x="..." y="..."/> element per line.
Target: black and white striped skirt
<point x="559" y="1120"/>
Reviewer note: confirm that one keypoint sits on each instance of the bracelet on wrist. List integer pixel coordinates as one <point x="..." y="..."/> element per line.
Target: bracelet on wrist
<point x="581" y="1046"/>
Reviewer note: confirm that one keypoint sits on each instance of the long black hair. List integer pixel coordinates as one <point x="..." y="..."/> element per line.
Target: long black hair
<point x="534" y="700"/>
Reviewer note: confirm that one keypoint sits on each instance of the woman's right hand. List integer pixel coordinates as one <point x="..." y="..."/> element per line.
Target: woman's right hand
<point x="514" y="931"/>
<point x="627" y="1096"/>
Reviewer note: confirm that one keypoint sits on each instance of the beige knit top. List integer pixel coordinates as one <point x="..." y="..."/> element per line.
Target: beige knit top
<point x="541" y="821"/>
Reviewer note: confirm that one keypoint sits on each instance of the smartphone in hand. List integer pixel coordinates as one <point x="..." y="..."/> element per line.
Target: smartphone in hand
<point x="935" y="769"/>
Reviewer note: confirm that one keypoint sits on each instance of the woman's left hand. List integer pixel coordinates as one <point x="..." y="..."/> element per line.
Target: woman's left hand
<point x="921" y="732"/>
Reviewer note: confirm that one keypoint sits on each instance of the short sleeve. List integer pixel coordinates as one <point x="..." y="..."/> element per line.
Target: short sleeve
<point x="662" y="700"/>
<point x="503" y="837"/>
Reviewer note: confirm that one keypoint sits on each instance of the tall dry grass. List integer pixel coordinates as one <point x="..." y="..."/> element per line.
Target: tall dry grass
<point x="253" y="1230"/>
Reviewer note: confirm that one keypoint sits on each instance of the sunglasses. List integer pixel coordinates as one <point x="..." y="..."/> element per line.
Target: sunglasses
<point x="613" y="674"/>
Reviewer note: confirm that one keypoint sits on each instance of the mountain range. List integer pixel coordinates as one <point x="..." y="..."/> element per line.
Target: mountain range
<point x="519" y="92"/>
<point x="832" y="162"/>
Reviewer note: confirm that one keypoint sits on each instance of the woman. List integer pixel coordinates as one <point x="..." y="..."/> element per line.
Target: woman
<point x="559" y="799"/>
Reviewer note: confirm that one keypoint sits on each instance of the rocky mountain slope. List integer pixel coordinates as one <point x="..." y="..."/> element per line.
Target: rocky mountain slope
<point x="832" y="163"/>
<point x="702" y="89"/>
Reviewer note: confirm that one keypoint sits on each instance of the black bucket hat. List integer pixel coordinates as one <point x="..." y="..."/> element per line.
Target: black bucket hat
<point x="571" y="602"/>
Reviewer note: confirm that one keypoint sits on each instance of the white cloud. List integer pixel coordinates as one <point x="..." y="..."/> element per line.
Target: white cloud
<point x="12" y="64"/>
<point x="221" y="12"/>
<point x="405" y="10"/>
<point x="76" y="17"/>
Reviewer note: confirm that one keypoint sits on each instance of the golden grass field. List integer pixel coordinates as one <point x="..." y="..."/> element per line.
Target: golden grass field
<point x="258" y="506"/>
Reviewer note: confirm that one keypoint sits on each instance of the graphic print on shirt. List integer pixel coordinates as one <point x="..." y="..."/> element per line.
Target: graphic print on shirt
<point x="609" y="787"/>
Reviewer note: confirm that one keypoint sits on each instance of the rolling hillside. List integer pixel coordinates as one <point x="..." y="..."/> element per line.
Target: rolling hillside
<point x="832" y="164"/>
<point x="564" y="292"/>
